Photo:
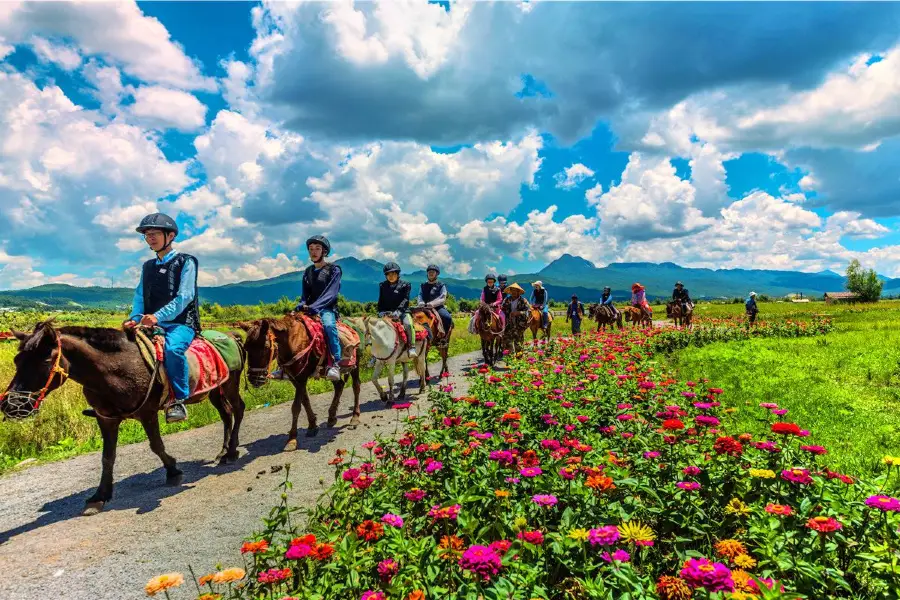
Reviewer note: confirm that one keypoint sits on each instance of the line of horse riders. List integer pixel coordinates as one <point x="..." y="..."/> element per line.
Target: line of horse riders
<point x="119" y="369"/>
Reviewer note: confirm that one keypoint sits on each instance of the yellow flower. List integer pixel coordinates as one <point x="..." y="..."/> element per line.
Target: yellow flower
<point x="891" y="460"/>
<point x="745" y="561"/>
<point x="520" y="522"/>
<point x="579" y="534"/>
<point x="741" y="580"/>
<point x="762" y="473"/>
<point x="208" y="596"/>
<point x="229" y="575"/>
<point x="163" y="582"/>
<point x="736" y="507"/>
<point x="501" y="493"/>
<point x="636" y="533"/>
<point x="730" y="548"/>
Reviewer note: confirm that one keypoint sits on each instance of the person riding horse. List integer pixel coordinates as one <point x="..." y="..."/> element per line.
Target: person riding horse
<point x="516" y="309"/>
<point x="166" y="297"/>
<point x="575" y="312"/>
<point x="501" y="282"/>
<point x="540" y="297"/>
<point x="433" y="295"/>
<point x="492" y="296"/>
<point x="393" y="300"/>
<point x="607" y="302"/>
<point x="639" y="299"/>
<point x="321" y="286"/>
<point x="682" y="297"/>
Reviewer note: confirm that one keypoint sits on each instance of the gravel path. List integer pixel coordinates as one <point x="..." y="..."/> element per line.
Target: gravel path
<point x="48" y="551"/>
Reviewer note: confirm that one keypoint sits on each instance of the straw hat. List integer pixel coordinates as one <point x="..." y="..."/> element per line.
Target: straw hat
<point x="515" y="287"/>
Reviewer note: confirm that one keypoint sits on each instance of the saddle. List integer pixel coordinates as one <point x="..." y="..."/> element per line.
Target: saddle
<point x="207" y="365"/>
<point x="420" y="332"/>
<point x="429" y="318"/>
<point x="348" y="337"/>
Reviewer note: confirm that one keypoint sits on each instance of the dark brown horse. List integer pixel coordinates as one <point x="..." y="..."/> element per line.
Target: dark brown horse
<point x="604" y="316"/>
<point x="117" y="384"/>
<point x="287" y="340"/>
<point x="490" y="329"/>
<point x="681" y="317"/>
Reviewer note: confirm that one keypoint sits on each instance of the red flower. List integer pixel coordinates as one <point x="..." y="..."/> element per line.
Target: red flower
<point x="786" y="428"/>
<point x="369" y="530"/>
<point x="673" y="424"/>
<point x="729" y="446"/>
<point x="823" y="524"/>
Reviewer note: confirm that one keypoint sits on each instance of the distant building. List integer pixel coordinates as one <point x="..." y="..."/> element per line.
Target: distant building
<point x="835" y="297"/>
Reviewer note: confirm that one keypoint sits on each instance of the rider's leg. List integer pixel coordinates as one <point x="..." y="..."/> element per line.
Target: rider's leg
<point x="545" y="317"/>
<point x="410" y="334"/>
<point x="446" y="319"/>
<point x="329" y="324"/>
<point x="178" y="339"/>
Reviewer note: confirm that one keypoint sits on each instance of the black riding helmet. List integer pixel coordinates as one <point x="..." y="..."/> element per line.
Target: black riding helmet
<point x="607" y="289"/>
<point x="678" y="283"/>
<point x="391" y="267"/>
<point x="322" y="241"/>
<point x="433" y="268"/>
<point x="490" y="276"/>
<point x="160" y="221"/>
<point x="501" y="278"/>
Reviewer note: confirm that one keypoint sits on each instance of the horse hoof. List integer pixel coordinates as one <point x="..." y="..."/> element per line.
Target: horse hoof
<point x="290" y="446"/>
<point x="312" y="432"/>
<point x="175" y="478"/>
<point x="354" y="422"/>
<point x="92" y="508"/>
<point x="332" y="421"/>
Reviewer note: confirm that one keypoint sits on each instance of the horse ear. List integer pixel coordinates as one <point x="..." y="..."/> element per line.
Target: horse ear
<point x="20" y="335"/>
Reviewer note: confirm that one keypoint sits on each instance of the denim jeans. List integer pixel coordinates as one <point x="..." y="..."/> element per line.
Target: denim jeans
<point x="329" y="323"/>
<point x="178" y="339"/>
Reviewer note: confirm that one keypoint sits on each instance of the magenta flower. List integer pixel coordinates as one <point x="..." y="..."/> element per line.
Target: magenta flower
<point x="482" y="561"/>
<point x="883" y="503"/>
<point x="617" y="556"/>
<point x="800" y="476"/>
<point x="651" y="455"/>
<point x="544" y="499"/>
<point x="434" y="466"/>
<point x="706" y="420"/>
<point x="350" y="474"/>
<point x="298" y="551"/>
<point x="603" y="536"/>
<point x="372" y="595"/>
<point x="688" y="485"/>
<point x="530" y="471"/>
<point x="712" y="576"/>
<point x="392" y="520"/>
<point x="387" y="569"/>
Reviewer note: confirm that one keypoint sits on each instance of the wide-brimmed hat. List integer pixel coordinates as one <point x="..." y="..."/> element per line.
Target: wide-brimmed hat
<point x="752" y="293"/>
<point x="537" y="284"/>
<point x="516" y="287"/>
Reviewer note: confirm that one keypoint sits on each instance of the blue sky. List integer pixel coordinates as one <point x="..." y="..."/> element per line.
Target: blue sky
<point x="476" y="135"/>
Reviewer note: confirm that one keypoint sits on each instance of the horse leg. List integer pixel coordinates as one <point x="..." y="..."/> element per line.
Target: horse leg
<point x="405" y="367"/>
<point x="422" y="368"/>
<point x="216" y="399"/>
<point x="354" y="374"/>
<point x="109" y="430"/>
<point x="232" y="393"/>
<point x="291" y="443"/>
<point x="332" y="410"/>
<point x="151" y="428"/>
<point x="312" y="427"/>
<point x="379" y="365"/>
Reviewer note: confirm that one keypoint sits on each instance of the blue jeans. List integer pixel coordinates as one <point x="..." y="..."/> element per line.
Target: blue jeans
<point x="446" y="319"/>
<point x="329" y="323"/>
<point x="545" y="317"/>
<point x="576" y="325"/>
<point x="178" y="339"/>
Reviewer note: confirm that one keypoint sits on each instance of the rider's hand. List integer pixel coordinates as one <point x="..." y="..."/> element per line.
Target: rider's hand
<point x="149" y="321"/>
<point x="129" y="324"/>
<point x="395" y="314"/>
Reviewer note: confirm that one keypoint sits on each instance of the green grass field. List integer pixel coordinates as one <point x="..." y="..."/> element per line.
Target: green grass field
<point x="843" y="387"/>
<point x="60" y="430"/>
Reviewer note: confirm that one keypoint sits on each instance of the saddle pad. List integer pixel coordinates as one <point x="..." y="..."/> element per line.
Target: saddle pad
<point x="227" y="346"/>
<point x="348" y="337"/>
<point x="207" y="369"/>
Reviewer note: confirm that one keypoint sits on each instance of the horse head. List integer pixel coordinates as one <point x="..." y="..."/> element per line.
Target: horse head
<point x="261" y="349"/>
<point x="40" y="369"/>
<point x="381" y="335"/>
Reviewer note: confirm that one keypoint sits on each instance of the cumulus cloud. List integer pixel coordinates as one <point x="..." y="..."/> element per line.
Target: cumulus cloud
<point x="64" y="56"/>
<point x="572" y="176"/>
<point x="165" y="108"/>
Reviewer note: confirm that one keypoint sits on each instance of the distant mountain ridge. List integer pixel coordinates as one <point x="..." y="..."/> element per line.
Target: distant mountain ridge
<point x="563" y="277"/>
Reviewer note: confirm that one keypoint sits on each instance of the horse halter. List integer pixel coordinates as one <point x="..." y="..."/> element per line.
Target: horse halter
<point x="18" y="405"/>
<point x="260" y="375"/>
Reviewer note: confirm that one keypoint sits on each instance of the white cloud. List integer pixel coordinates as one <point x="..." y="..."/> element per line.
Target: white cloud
<point x="264" y="268"/>
<point x="117" y="31"/>
<point x="163" y="107"/>
<point x="572" y="176"/>
<point x="64" y="56"/>
<point x="851" y="224"/>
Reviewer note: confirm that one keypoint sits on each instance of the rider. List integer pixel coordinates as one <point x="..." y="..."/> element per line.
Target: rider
<point x="493" y="297"/>
<point x="166" y="297"/>
<point x="541" y="297"/>
<point x="433" y="294"/>
<point x="575" y="311"/>
<point x="393" y="300"/>
<point x="321" y="286"/>
<point x="639" y="299"/>
<point x="681" y="295"/>
<point x="606" y="300"/>
<point x="501" y="281"/>
<point x="751" y="308"/>
<point x="516" y="309"/>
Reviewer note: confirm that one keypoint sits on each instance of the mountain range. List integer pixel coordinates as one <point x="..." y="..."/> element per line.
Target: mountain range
<point x="563" y="277"/>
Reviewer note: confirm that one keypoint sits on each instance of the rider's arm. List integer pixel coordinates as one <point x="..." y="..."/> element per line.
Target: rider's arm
<point x="137" y="305"/>
<point x="330" y="296"/>
<point x="404" y="299"/>
<point x="482" y="297"/>
<point x="186" y="290"/>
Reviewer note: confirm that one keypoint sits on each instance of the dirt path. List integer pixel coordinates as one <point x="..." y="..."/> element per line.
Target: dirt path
<point x="48" y="551"/>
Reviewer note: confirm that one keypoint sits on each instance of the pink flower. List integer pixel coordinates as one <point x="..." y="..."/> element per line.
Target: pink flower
<point x="768" y="405"/>
<point x="883" y="503"/>
<point x="530" y="472"/>
<point x="691" y="471"/>
<point x="651" y="455"/>
<point x="402" y="405"/>
<point x="603" y="536"/>
<point x="387" y="569"/>
<point x="712" y="576"/>
<point x="392" y="520"/>
<point x="800" y="476"/>
<point x="350" y="474"/>
<point x="415" y="495"/>
<point x="688" y="485"/>
<point x="434" y="466"/>
<point x="617" y="556"/>
<point x="482" y="561"/>
<point x="449" y="513"/>
<point x="372" y="595"/>
<point x="544" y="499"/>
<point x="298" y="551"/>
<point x="815" y="449"/>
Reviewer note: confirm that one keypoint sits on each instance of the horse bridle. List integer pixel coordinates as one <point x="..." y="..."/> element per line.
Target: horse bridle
<point x="19" y="403"/>
<point x="253" y="373"/>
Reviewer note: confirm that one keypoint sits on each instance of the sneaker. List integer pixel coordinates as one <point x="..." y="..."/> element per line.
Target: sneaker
<point x="333" y="374"/>
<point x="413" y="353"/>
<point x="372" y="362"/>
<point x="176" y="412"/>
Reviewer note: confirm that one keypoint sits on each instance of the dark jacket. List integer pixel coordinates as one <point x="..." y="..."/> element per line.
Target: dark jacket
<point x="321" y="287"/>
<point x="160" y="286"/>
<point x="393" y="297"/>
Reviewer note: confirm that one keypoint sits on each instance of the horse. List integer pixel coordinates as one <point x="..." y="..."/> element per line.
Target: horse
<point x="490" y="330"/>
<point x="534" y="323"/>
<point x="682" y="318"/>
<point x="117" y="384"/>
<point x="287" y="340"/>
<point x="387" y="350"/>
<point x="604" y="317"/>
<point x="429" y="317"/>
<point x="637" y="316"/>
<point x="514" y="333"/>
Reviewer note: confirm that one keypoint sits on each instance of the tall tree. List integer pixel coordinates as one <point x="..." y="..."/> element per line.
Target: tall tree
<point x="863" y="282"/>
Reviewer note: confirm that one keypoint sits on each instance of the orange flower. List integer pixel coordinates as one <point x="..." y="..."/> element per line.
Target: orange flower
<point x="369" y="530"/>
<point x="501" y="493"/>
<point x="600" y="482"/>
<point x="229" y="575"/>
<point x="730" y="548"/>
<point x="450" y="547"/>
<point x="163" y="582"/>
<point x="416" y="595"/>
<point x="741" y="580"/>
<point x="322" y="552"/>
<point x="209" y="596"/>
<point x="673" y="588"/>
<point x="206" y="579"/>
<point x="254" y="547"/>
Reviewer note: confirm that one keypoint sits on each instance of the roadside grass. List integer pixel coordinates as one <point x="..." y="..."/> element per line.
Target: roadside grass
<point x="844" y="387"/>
<point x="60" y="430"/>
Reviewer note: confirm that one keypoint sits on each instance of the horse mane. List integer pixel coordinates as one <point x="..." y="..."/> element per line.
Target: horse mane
<point x="104" y="339"/>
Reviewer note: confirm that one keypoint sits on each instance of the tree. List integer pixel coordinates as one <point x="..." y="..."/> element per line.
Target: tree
<point x="863" y="282"/>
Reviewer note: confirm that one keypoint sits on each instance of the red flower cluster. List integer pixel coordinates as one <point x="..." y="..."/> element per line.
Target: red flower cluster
<point x="782" y="428"/>
<point x="728" y="445"/>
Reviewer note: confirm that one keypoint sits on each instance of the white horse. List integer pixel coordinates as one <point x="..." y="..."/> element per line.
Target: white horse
<point x="388" y="350"/>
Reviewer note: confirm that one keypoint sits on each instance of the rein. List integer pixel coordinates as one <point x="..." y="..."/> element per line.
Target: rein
<point x="302" y="355"/>
<point x="22" y="397"/>
<point x="270" y="338"/>
<point x="396" y="345"/>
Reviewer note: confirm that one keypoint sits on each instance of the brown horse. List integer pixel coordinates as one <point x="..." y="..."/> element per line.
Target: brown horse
<point x="490" y="329"/>
<point x="637" y="317"/>
<point x="430" y="317"/>
<point x="534" y="323"/>
<point x="604" y="316"/>
<point x="117" y="384"/>
<point x="287" y="340"/>
<point x="682" y="318"/>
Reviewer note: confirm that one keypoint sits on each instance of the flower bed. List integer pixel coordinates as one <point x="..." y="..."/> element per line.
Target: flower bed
<point x="582" y="473"/>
